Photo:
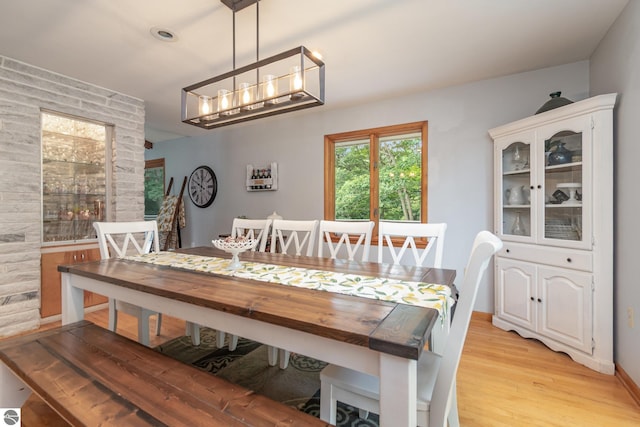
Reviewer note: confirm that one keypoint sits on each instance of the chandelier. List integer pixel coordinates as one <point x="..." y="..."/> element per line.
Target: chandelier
<point x="289" y="81"/>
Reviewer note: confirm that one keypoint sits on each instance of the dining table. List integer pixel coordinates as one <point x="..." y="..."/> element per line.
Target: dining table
<point x="354" y="314"/>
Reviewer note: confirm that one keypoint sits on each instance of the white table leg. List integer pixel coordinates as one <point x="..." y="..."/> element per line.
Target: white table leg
<point x="193" y="330"/>
<point x="283" y="358"/>
<point x="440" y="333"/>
<point x="72" y="301"/>
<point x="13" y="392"/>
<point x="272" y="355"/>
<point x="113" y="315"/>
<point x="220" y="336"/>
<point x="398" y="391"/>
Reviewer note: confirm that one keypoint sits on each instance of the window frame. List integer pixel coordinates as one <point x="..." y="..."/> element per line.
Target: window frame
<point x="156" y="164"/>
<point x="374" y="135"/>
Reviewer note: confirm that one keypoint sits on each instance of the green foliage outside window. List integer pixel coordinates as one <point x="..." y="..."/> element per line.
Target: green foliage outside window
<point x="399" y="175"/>
<point x="352" y="181"/>
<point x="153" y="190"/>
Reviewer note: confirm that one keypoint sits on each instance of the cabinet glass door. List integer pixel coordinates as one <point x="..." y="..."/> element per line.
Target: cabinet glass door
<point x="74" y="177"/>
<point x="516" y="194"/>
<point x="564" y="187"/>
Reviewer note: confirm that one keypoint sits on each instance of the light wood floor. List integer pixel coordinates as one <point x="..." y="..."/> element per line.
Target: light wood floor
<point x="503" y="380"/>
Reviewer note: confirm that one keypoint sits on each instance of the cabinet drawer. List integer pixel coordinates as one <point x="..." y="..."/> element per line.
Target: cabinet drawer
<point x="559" y="257"/>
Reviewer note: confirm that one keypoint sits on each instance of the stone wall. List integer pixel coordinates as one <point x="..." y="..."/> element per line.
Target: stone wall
<point x="24" y="91"/>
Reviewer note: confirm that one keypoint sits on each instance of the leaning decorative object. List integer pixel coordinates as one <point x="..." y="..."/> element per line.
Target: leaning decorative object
<point x="234" y="246"/>
<point x="555" y="102"/>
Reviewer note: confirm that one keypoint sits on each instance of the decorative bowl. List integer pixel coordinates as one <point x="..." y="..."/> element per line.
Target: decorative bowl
<point x="235" y="246"/>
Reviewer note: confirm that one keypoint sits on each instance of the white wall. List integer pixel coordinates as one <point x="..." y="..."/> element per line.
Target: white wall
<point x="460" y="156"/>
<point x="615" y="67"/>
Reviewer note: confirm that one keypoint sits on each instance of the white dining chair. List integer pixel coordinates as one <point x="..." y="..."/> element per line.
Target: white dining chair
<point x="252" y="229"/>
<point x="388" y="232"/>
<point x="345" y="238"/>
<point x="400" y="239"/>
<point x="436" y="382"/>
<point x="296" y="235"/>
<point x="119" y="239"/>
<point x="293" y="237"/>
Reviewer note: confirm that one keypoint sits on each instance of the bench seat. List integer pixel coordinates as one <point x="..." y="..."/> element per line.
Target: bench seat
<point x="91" y="376"/>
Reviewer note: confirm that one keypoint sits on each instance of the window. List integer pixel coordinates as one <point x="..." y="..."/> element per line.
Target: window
<point x="377" y="174"/>
<point x="76" y="178"/>
<point x="153" y="187"/>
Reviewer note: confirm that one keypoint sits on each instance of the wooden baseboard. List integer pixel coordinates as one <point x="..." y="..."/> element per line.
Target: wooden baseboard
<point x="628" y="383"/>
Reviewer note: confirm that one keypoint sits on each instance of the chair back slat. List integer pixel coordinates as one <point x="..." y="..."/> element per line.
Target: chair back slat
<point x="118" y="239"/>
<point x="434" y="233"/>
<point x="347" y="230"/>
<point x="252" y="229"/>
<point x="293" y="234"/>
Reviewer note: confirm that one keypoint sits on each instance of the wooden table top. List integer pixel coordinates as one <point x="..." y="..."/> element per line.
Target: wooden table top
<point x="393" y="328"/>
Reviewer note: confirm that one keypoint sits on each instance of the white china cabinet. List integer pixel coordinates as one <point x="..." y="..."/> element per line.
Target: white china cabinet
<point x="554" y="211"/>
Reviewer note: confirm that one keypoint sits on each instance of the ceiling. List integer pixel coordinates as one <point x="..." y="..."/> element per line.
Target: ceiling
<point x="372" y="48"/>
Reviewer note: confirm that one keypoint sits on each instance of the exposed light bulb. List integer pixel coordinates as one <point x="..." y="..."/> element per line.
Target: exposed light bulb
<point x="295" y="83"/>
<point x="245" y="93"/>
<point x="224" y="101"/>
<point x="205" y="104"/>
<point x="269" y="89"/>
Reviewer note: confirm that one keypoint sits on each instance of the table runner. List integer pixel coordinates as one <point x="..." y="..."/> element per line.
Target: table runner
<point x="385" y="289"/>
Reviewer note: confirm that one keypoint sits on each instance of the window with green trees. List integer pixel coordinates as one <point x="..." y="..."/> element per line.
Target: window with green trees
<point x="153" y="187"/>
<point x="377" y="174"/>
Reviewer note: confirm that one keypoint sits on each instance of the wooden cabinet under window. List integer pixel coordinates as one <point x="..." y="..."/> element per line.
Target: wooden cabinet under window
<point x="51" y="281"/>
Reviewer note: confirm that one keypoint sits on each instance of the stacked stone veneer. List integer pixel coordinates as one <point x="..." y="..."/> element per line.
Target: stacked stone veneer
<point x="24" y="91"/>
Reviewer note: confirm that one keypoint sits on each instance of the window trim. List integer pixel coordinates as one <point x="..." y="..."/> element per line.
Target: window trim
<point x="156" y="164"/>
<point x="374" y="136"/>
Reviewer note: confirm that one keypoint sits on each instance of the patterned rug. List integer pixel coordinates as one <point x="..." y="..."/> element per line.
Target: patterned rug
<point x="297" y="386"/>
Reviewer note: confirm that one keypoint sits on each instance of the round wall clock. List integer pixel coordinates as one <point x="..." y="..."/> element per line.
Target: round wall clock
<point x="203" y="186"/>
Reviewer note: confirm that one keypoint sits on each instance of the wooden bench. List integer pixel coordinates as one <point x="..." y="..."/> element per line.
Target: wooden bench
<point x="91" y="376"/>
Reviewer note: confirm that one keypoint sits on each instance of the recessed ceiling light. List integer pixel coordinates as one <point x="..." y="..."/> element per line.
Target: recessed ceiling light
<point x="164" y="34"/>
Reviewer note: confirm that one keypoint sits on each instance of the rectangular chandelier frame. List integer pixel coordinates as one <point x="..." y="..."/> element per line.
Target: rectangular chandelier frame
<point x="292" y="80"/>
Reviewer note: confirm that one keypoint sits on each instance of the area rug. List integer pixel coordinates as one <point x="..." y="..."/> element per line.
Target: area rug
<point x="297" y="386"/>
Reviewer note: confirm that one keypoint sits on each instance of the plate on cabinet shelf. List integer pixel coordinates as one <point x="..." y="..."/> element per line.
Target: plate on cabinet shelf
<point x="517" y="172"/>
<point x="554" y="205"/>
<point x="564" y="166"/>
<point x="557" y="231"/>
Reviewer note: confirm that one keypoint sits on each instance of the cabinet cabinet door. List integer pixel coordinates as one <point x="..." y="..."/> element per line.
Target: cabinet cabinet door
<point x="566" y="301"/>
<point x="515" y="161"/>
<point x="89" y="297"/>
<point x="51" y="297"/>
<point x="565" y="215"/>
<point x="514" y="292"/>
<point x="543" y="185"/>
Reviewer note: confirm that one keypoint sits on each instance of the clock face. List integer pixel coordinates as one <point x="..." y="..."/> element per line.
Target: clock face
<point x="203" y="186"/>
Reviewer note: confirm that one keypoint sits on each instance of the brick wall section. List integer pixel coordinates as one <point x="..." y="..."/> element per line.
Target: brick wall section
<point x="24" y="91"/>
